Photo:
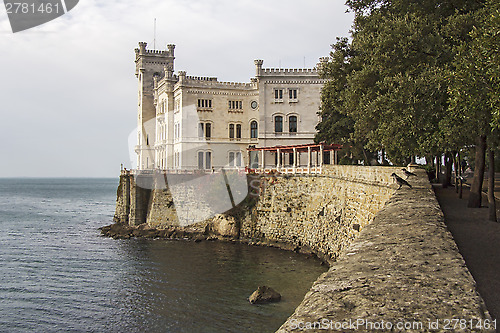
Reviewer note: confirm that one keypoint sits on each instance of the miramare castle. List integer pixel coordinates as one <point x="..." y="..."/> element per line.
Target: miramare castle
<point x="188" y="122"/>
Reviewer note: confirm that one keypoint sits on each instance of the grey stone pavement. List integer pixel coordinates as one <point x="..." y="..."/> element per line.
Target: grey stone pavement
<point x="477" y="238"/>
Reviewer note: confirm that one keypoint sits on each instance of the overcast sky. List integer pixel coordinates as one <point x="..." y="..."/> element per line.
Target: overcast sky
<point x="68" y="91"/>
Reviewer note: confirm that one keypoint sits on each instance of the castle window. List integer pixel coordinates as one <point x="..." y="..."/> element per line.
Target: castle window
<point x="235" y="106"/>
<point x="235" y="159"/>
<point x="204" y="160"/>
<point x="253" y="130"/>
<point x="278" y="95"/>
<point x="292" y="124"/>
<point x="278" y="124"/>
<point x="238" y="159"/>
<point x="208" y="160"/>
<point x="177" y="105"/>
<point x="177" y="131"/>
<point x="238" y="131"/>
<point x="204" y="105"/>
<point x="208" y="131"/>
<point x="201" y="130"/>
<point x="201" y="156"/>
<point x="232" y="133"/>
<point x="292" y="95"/>
<point x="204" y="131"/>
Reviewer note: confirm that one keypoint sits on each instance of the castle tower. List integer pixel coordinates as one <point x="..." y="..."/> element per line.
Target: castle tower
<point x="149" y="64"/>
<point x="258" y="67"/>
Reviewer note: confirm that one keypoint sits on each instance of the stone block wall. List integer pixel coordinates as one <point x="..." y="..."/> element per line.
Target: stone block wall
<point x="161" y="211"/>
<point x="122" y="211"/>
<point x="321" y="212"/>
<point x="318" y="213"/>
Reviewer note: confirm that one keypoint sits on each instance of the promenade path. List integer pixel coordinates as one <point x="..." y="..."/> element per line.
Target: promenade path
<point x="478" y="241"/>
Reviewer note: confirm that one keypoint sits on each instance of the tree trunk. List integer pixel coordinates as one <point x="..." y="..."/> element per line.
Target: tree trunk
<point x="477" y="182"/>
<point x="438" y="167"/>
<point x="491" y="187"/>
<point x="447" y="170"/>
<point x="460" y="182"/>
<point x="454" y="156"/>
<point x="365" y="156"/>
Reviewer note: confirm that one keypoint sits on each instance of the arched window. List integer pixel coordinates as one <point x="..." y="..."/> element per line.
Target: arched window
<point x="208" y="160"/>
<point x="235" y="159"/>
<point x="238" y="159"/>
<point x="208" y="131"/>
<point x="253" y="130"/>
<point x="204" y="131"/>
<point x="231" y="131"/>
<point x="278" y="124"/>
<point x="200" y="159"/>
<point x="292" y="124"/>
<point x="238" y="131"/>
<point x="204" y="160"/>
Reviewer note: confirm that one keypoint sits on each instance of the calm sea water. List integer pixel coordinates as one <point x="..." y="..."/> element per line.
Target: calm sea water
<point x="57" y="274"/>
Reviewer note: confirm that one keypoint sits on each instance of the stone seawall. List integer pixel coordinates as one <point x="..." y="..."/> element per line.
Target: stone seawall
<point x="310" y="213"/>
<point x="322" y="213"/>
<point x="403" y="269"/>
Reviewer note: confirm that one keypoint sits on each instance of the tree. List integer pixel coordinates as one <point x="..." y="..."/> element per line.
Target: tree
<point x="473" y="91"/>
<point x="394" y="87"/>
<point x="336" y="125"/>
<point x="488" y="42"/>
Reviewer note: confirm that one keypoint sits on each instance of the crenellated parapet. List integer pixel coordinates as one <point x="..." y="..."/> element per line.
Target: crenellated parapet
<point x="212" y="82"/>
<point x="142" y="50"/>
<point x="289" y="71"/>
<point x="153" y="59"/>
<point x="287" y="76"/>
<point x="201" y="78"/>
<point x="258" y="67"/>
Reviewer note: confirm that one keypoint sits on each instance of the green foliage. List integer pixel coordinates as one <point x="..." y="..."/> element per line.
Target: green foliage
<point x="474" y="81"/>
<point x="336" y="125"/>
<point x="390" y="86"/>
<point x="487" y="37"/>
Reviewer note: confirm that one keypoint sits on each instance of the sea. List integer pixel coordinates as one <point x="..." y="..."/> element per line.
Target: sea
<point x="57" y="274"/>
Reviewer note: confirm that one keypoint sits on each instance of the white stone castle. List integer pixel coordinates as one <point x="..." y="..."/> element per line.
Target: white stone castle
<point x="187" y="122"/>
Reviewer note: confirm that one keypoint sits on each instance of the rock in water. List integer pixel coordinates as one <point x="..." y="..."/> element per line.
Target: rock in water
<point x="263" y="295"/>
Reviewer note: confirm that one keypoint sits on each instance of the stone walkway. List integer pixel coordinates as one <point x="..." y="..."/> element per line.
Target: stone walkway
<point x="404" y="270"/>
<point x="478" y="241"/>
